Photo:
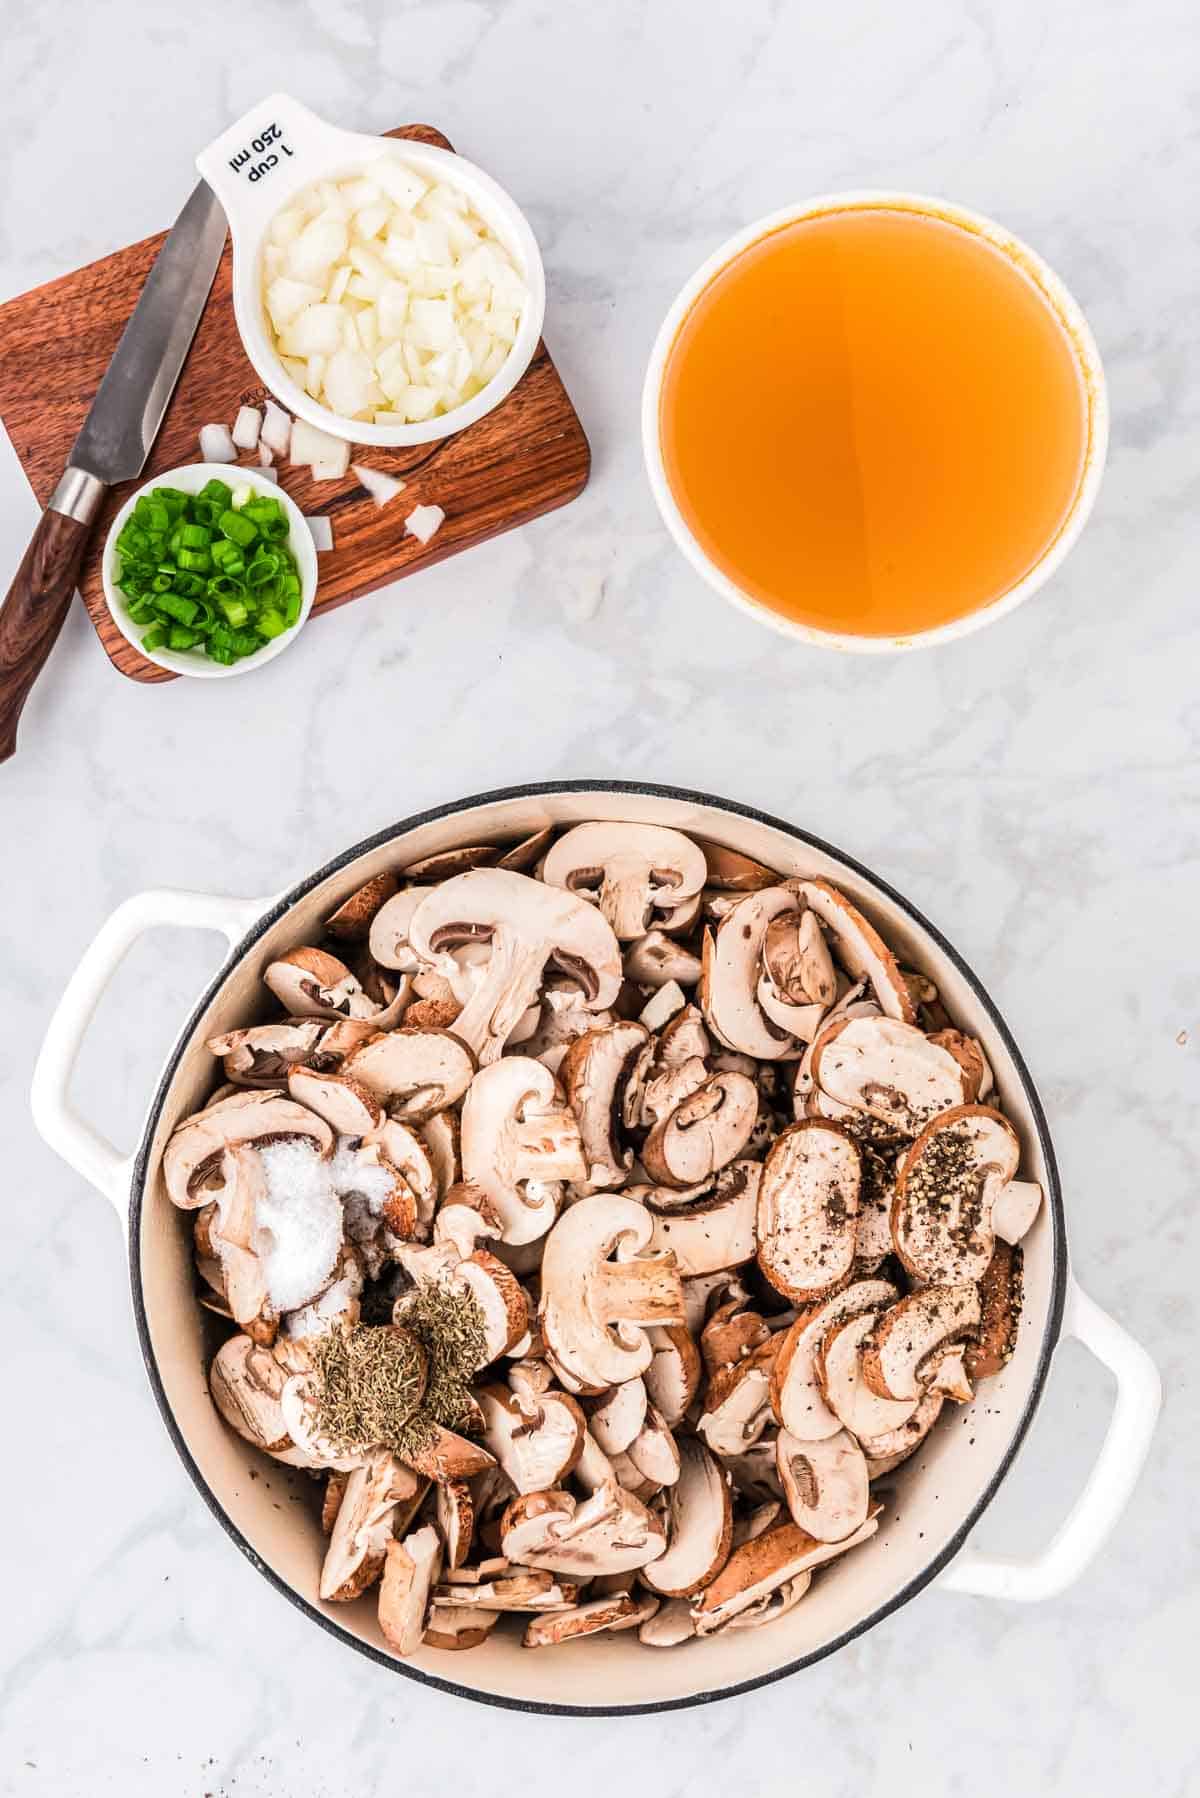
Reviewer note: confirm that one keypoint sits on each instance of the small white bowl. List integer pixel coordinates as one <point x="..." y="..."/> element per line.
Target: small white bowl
<point x="280" y="147"/>
<point x="1074" y="326"/>
<point x="190" y="480"/>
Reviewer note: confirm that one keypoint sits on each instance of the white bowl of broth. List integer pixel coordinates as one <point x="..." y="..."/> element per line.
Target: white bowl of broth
<point x="875" y="421"/>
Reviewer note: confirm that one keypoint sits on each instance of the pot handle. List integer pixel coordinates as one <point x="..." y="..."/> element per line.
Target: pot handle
<point x="69" y="1135"/>
<point x="1109" y="1486"/>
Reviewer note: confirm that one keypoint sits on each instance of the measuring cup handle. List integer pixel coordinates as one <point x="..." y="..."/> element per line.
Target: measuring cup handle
<point x="271" y="151"/>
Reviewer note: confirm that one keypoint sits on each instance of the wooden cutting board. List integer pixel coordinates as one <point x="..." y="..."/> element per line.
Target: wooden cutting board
<point x="527" y="457"/>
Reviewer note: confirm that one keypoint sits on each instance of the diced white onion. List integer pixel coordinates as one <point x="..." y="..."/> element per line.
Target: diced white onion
<point x="246" y="427"/>
<point x="270" y="474"/>
<point x="389" y="296"/>
<point x="382" y="487"/>
<point x="319" y="449"/>
<point x="322" y="531"/>
<point x="424" y="522"/>
<point x="276" y="430"/>
<point x="216" y="444"/>
<point x="265" y="455"/>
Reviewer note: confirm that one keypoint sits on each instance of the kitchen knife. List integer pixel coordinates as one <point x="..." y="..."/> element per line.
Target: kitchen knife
<point x="113" y="445"/>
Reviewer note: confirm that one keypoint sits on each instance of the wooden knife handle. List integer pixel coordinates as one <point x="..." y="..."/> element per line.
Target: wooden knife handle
<point x="33" y="612"/>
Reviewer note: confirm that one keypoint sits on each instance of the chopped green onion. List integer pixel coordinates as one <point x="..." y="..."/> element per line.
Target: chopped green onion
<point x="155" y="637"/>
<point x="180" y="637"/>
<point x="270" y="623"/>
<point x="237" y="527"/>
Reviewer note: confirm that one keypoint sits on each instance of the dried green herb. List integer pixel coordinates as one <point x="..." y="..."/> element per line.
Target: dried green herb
<point x="374" y="1385"/>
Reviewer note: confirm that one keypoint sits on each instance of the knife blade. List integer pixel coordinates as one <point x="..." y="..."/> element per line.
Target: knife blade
<point x="117" y="436"/>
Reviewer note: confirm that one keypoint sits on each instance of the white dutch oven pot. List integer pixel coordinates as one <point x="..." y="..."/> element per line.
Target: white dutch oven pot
<point x="943" y="1489"/>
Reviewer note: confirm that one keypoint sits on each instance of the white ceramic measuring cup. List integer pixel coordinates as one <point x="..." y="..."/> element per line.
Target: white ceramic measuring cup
<point x="279" y="147"/>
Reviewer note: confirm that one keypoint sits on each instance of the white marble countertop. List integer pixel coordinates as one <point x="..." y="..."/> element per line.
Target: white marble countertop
<point x="1032" y="789"/>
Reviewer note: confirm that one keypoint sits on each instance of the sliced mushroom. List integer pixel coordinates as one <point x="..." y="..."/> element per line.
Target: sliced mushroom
<point x="311" y="984"/>
<point x="610" y="1531"/>
<point x="653" y="1451"/>
<point x="908" y="1332"/>
<point x="591" y="1307"/>
<point x="886" y="1451"/>
<point x="527" y="925"/>
<point x="703" y="1134"/>
<point x="440" y="1135"/>
<point x="762" y="1566"/>
<point x="363" y="1528"/>
<point x="797" y="983"/>
<point x="501" y="1300"/>
<point x="657" y="959"/>
<point x="860" y="948"/>
<point x="991" y="1348"/>
<point x="670" y="1625"/>
<point x="389" y="931"/>
<point x="615" y="1420"/>
<point x="709" y="1232"/>
<point x="450" y="1457"/>
<point x="737" y="1404"/>
<point x="410" y="1570"/>
<point x="638" y="874"/>
<point x="888" y="1069"/>
<point x="247" y="1382"/>
<point x="732" y="872"/>
<point x="414" y="1072"/>
<point x="351" y="922"/>
<point x="825" y="1484"/>
<point x="808" y="1209"/>
<point x="198" y="1145"/>
<point x="1015" y="1209"/>
<point x="777" y="1604"/>
<point x="729" y="983"/>
<point x="873" y="1230"/>
<point x="947" y="1184"/>
<point x="456" y="1520"/>
<point x="506" y="1589"/>
<point x="840" y="1376"/>
<point x="620" y="1611"/>
<point x="596" y="1072"/>
<point x="796" y="1397"/>
<point x="536" y="1446"/>
<point x="454" y="1629"/>
<point x="346" y="1106"/>
<point x="672" y="1379"/>
<point x="519" y="1143"/>
<point x="700" y="1525"/>
<point x="262" y="1055"/>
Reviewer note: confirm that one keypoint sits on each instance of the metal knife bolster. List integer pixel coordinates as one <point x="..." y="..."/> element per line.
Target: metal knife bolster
<point x="78" y="495"/>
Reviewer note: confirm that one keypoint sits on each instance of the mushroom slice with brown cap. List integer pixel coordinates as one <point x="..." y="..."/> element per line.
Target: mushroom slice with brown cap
<point x="860" y="948"/>
<point x="700" y="1525"/>
<point x="711" y="1231"/>
<point x="825" y="1484"/>
<point x="808" y="1209"/>
<point x="247" y="1382"/>
<point x="729" y="982"/>
<point x="703" y="1134"/>
<point x="796" y="1397"/>
<point x="977" y="1076"/>
<point x="615" y="1420"/>
<point x="233" y="1237"/>
<point x="610" y="1531"/>
<point x="777" y="1604"/>
<point x="592" y="1307"/>
<point x="596" y="1072"/>
<point x="527" y="926"/>
<point x="947" y="1184"/>
<point x="797" y="983"/>
<point x="414" y="1072"/>
<point x="908" y="1332"/>
<point x="672" y="1379"/>
<point x="524" y="855"/>
<point x="729" y="871"/>
<point x="762" y="1566"/>
<point x="501" y="1300"/>
<point x="409" y="1572"/>
<point x="654" y="1452"/>
<point x="309" y="983"/>
<point x="888" y="1069"/>
<point x="656" y="959"/>
<point x="262" y="1055"/>
<point x="363" y="1528"/>
<point x="618" y="1611"/>
<point x="403" y="1148"/>
<point x="347" y="1107"/>
<point x="519" y="1143"/>
<point x="733" y="1331"/>
<point x="737" y="1404"/>
<point x="452" y="1629"/>
<point x="535" y="1450"/>
<point x="991" y="1347"/>
<point x="861" y="1410"/>
<point x="638" y="874"/>
<point x="194" y="1151"/>
<point x="886" y="1451"/>
<point x="441" y="1136"/>
<point x="445" y="864"/>
<point x="388" y="941"/>
<point x="449" y="1456"/>
<point x="508" y="1588"/>
<point x="351" y="922"/>
<point x="670" y="1625"/>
